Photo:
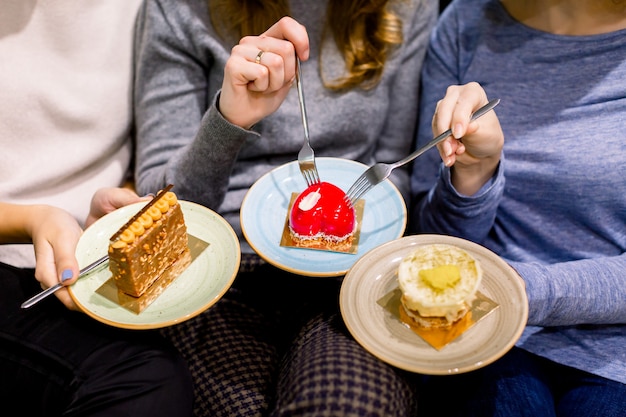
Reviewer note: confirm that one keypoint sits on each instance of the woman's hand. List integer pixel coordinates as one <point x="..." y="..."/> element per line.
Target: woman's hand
<point x="54" y="233"/>
<point x="475" y="147"/>
<point x="105" y="200"/>
<point x="260" y="72"/>
<point x="55" y="239"/>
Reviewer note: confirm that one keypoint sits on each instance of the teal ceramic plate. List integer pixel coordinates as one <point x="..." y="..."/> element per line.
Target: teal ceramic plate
<point x="366" y="289"/>
<point x="264" y="212"/>
<point x="200" y="286"/>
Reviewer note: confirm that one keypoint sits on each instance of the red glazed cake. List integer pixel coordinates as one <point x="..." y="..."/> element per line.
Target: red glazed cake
<point x="152" y="243"/>
<point x="321" y="218"/>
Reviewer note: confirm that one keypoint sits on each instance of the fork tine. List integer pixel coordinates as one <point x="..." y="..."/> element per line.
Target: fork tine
<point x="313" y="177"/>
<point x="350" y="191"/>
<point x="308" y="177"/>
<point x="316" y="176"/>
<point x="360" y="186"/>
<point x="359" y="193"/>
<point x="357" y="183"/>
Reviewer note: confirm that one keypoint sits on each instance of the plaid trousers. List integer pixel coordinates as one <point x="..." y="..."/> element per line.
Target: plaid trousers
<point x="276" y="345"/>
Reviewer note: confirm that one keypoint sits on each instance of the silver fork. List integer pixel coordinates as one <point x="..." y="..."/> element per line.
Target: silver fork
<point x="306" y="156"/>
<point x="381" y="171"/>
<point x="51" y="290"/>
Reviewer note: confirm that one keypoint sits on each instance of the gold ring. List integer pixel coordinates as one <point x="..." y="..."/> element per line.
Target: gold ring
<point x="258" y="57"/>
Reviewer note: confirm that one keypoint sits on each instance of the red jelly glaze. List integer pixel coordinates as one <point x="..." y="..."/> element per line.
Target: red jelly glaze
<point x="331" y="215"/>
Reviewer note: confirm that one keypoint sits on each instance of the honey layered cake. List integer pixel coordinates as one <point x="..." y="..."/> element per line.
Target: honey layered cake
<point x="149" y="245"/>
<point x="321" y="218"/>
<point x="438" y="282"/>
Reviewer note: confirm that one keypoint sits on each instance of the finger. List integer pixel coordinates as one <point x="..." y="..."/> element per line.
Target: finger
<point x="448" y="149"/>
<point x="120" y="197"/>
<point x="257" y="67"/>
<point x="286" y="38"/>
<point x="244" y="72"/>
<point x="469" y="98"/>
<point x="277" y="56"/>
<point x="460" y="149"/>
<point x="443" y="112"/>
<point x="279" y="71"/>
<point x="64" y="296"/>
<point x="67" y="269"/>
<point x="460" y="117"/>
<point x="55" y="260"/>
<point x="289" y="29"/>
<point x="441" y="122"/>
<point x="46" y="268"/>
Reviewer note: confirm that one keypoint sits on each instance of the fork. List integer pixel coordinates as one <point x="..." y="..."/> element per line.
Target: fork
<point x="306" y="156"/>
<point x="381" y="171"/>
<point x="51" y="290"/>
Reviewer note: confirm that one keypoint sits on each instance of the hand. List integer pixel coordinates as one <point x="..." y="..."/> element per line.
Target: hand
<point x="475" y="147"/>
<point x="54" y="233"/>
<point x="105" y="200"/>
<point x="260" y="72"/>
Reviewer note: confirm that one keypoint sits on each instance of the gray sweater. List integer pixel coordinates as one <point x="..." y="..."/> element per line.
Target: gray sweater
<point x="556" y="210"/>
<point x="182" y="138"/>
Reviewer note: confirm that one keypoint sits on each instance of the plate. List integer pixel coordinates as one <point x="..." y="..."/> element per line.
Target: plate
<point x="383" y="335"/>
<point x="264" y="212"/>
<point x="200" y="286"/>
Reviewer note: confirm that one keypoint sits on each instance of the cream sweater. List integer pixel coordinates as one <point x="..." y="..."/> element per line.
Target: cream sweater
<point x="65" y="103"/>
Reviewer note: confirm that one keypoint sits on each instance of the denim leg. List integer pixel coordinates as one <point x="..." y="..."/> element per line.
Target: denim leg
<point x="512" y="386"/>
<point x="586" y="395"/>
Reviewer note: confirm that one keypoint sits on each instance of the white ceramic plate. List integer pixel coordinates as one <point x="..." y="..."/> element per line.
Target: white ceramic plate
<point x="385" y="336"/>
<point x="264" y="210"/>
<point x="200" y="286"/>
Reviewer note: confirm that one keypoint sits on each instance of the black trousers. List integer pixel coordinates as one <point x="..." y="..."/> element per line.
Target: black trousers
<point x="57" y="362"/>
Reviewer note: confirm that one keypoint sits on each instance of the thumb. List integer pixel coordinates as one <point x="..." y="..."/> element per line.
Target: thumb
<point x="120" y="197"/>
<point x="68" y="272"/>
<point x="66" y="263"/>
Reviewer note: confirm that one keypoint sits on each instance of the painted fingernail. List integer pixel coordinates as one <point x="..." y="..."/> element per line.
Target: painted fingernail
<point x="67" y="274"/>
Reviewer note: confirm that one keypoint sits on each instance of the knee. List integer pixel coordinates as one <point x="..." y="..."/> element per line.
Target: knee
<point x="152" y="380"/>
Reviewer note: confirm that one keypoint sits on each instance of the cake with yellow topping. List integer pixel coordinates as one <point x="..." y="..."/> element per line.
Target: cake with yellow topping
<point x="438" y="284"/>
<point x="152" y="241"/>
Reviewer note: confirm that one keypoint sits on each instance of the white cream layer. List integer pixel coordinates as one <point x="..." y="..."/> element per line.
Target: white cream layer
<point x="428" y="302"/>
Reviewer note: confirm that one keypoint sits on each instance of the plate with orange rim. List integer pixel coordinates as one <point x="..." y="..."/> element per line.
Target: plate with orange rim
<point x="198" y="287"/>
<point x="264" y="212"/>
<point x="374" y="277"/>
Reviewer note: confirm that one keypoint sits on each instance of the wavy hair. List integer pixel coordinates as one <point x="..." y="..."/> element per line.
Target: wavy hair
<point x="365" y="32"/>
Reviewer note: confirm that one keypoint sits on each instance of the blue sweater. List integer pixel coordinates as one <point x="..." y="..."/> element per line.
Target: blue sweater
<point x="556" y="208"/>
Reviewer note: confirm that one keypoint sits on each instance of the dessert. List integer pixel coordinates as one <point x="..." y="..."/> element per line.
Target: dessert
<point x="151" y="243"/>
<point x="438" y="284"/>
<point x="320" y="217"/>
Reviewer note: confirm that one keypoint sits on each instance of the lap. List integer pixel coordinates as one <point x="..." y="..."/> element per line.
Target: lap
<point x="276" y="344"/>
<point x="327" y="373"/>
<point x="56" y="359"/>
<point x="232" y="353"/>
<point x="523" y="384"/>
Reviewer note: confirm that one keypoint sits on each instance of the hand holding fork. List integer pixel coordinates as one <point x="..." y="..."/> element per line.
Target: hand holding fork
<point x="381" y="171"/>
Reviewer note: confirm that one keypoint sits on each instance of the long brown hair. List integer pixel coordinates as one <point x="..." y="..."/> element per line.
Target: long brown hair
<point x="365" y="32"/>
